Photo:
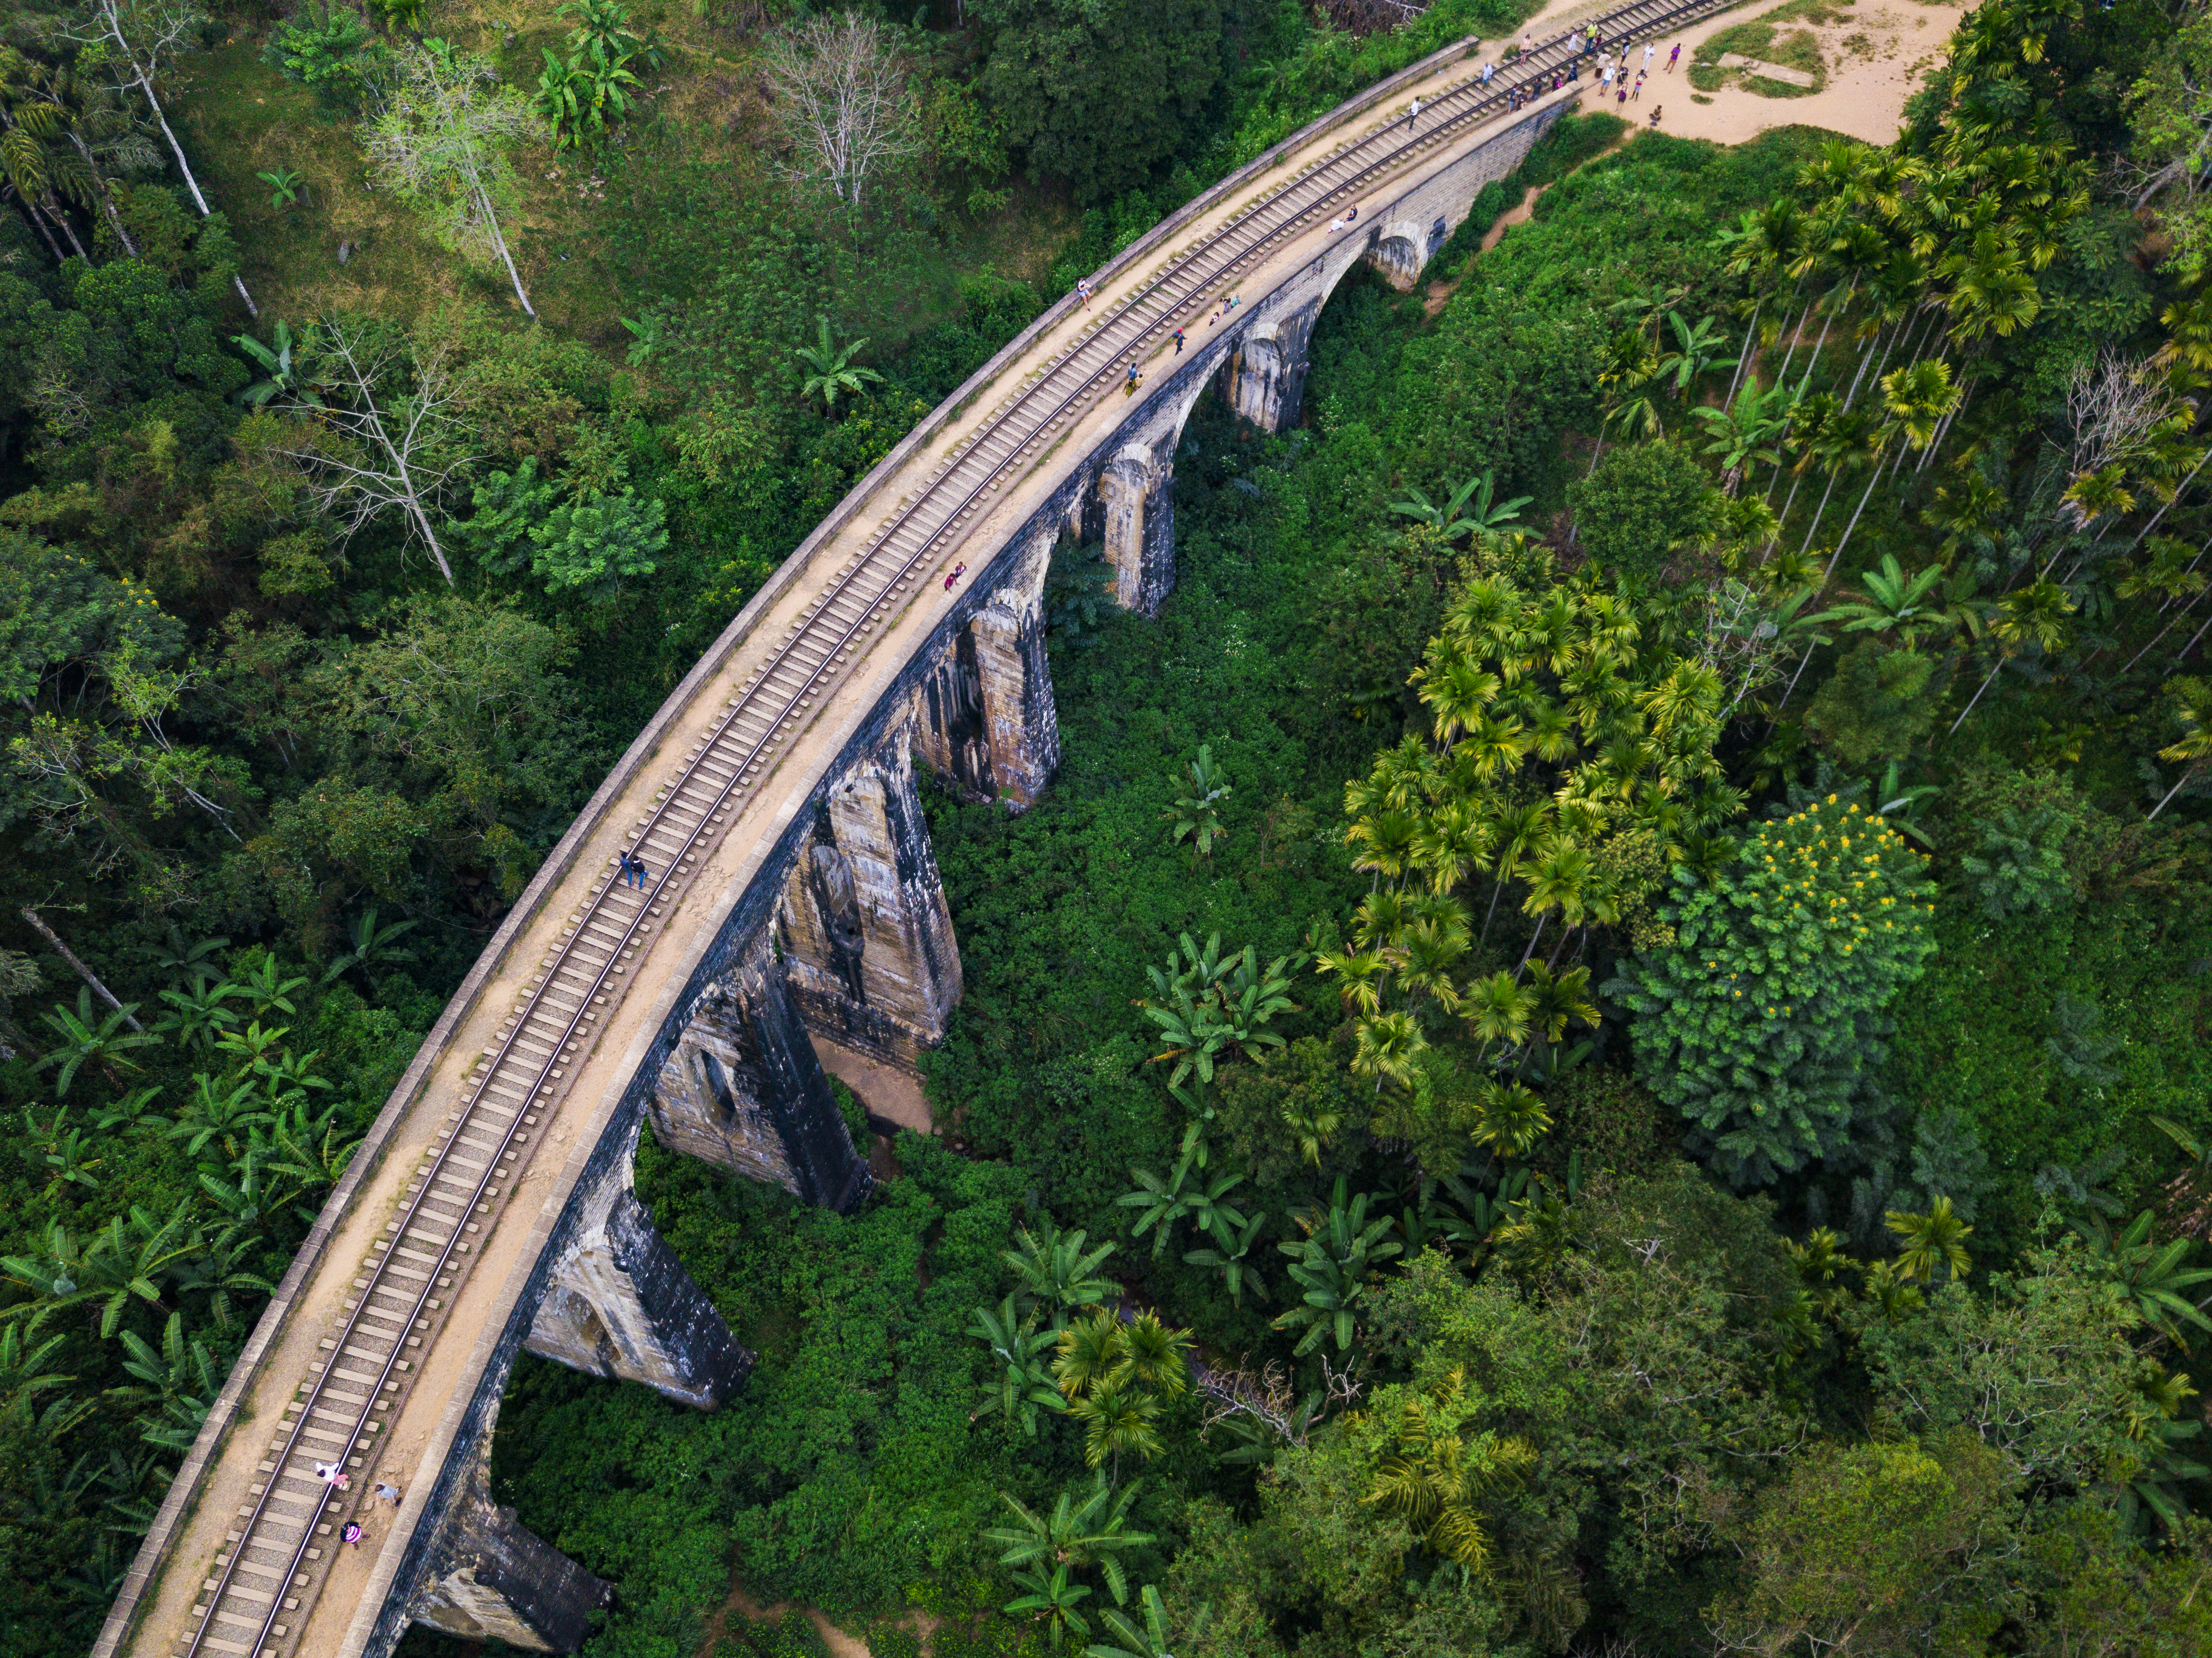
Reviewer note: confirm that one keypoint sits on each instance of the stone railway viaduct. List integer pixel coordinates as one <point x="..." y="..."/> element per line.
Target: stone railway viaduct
<point x="802" y="924"/>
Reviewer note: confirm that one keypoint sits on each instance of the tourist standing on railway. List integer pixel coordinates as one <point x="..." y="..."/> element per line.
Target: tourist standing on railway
<point x="1605" y="76"/>
<point x="1649" y="52"/>
<point x="1621" y="97"/>
<point x="1672" y="56"/>
<point x="1638" y="95"/>
<point x="1575" y="44"/>
<point x="1413" y="115"/>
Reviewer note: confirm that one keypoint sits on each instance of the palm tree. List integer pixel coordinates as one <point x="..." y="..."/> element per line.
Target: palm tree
<point x="2194" y="747"/>
<point x="834" y="373"/>
<point x="1118" y="1421"/>
<point x="2032" y="618"/>
<point x="1152" y="1358"/>
<point x="1934" y="1246"/>
<point x="1091" y="1533"/>
<point x="1436" y="1479"/>
<point x="1024" y="1385"/>
<point x="1090" y="1352"/>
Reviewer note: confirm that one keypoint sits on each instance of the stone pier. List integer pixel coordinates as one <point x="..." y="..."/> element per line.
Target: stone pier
<point x="983" y="718"/>
<point x="1135" y="520"/>
<point x="864" y="932"/>
<point x="619" y="1303"/>
<point x="1267" y="374"/>
<point x="744" y="1091"/>
<point x="491" y="1579"/>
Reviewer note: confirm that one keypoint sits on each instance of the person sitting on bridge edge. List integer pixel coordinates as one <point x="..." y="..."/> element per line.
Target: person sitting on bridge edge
<point x="1083" y="291"/>
<point x="953" y="575"/>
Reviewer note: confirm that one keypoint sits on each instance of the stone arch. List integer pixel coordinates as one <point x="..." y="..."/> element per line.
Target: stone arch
<point x="1398" y="250"/>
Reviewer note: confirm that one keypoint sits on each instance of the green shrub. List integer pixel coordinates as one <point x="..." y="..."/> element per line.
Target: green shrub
<point x="1880" y="702"/>
<point x="1636" y="503"/>
<point x="1612" y="1119"/>
<point x="1759" y="1021"/>
<point x="330" y="50"/>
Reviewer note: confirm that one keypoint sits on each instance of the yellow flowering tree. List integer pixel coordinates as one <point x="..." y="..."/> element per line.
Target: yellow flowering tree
<point x="1760" y="1020"/>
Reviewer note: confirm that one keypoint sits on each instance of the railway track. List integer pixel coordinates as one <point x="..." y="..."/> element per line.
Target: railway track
<point x="255" y="1600"/>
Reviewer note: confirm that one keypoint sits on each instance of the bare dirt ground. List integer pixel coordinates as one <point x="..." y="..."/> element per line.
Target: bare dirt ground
<point x="1877" y="54"/>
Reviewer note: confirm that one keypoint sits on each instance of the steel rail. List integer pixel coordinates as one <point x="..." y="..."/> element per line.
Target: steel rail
<point x="810" y="655"/>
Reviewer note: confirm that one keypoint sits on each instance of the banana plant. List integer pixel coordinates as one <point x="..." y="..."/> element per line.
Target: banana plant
<point x="180" y="1380"/>
<point x="1229" y="1259"/>
<point x="1072" y="1534"/>
<point x="2154" y="1277"/>
<point x="89" y="1038"/>
<point x="197" y="1015"/>
<point x="63" y="1148"/>
<point x="1167" y="1201"/>
<point x="1024" y="1386"/>
<point x="372" y="946"/>
<point x="1055" y="1598"/>
<point x="1332" y="1265"/>
<point x="1055" y="1271"/>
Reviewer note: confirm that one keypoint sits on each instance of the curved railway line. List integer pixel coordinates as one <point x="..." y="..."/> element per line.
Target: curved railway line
<point x="261" y="1584"/>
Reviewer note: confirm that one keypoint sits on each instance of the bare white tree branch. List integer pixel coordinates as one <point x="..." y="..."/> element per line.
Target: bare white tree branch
<point x="139" y="35"/>
<point x="840" y="89"/>
<point x="364" y="457"/>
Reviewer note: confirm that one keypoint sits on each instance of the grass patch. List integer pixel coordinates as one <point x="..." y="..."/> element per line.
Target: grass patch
<point x="573" y="229"/>
<point x="1768" y="39"/>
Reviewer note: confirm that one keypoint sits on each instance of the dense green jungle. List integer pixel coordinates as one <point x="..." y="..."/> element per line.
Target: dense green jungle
<point x="1601" y="1044"/>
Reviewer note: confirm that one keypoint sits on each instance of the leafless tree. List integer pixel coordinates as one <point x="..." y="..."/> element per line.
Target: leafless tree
<point x="2114" y="406"/>
<point x="840" y="88"/>
<point x="1268" y="1396"/>
<point x="386" y="437"/>
<point x="442" y="143"/>
<point x="137" y="35"/>
<point x="1364" y="17"/>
